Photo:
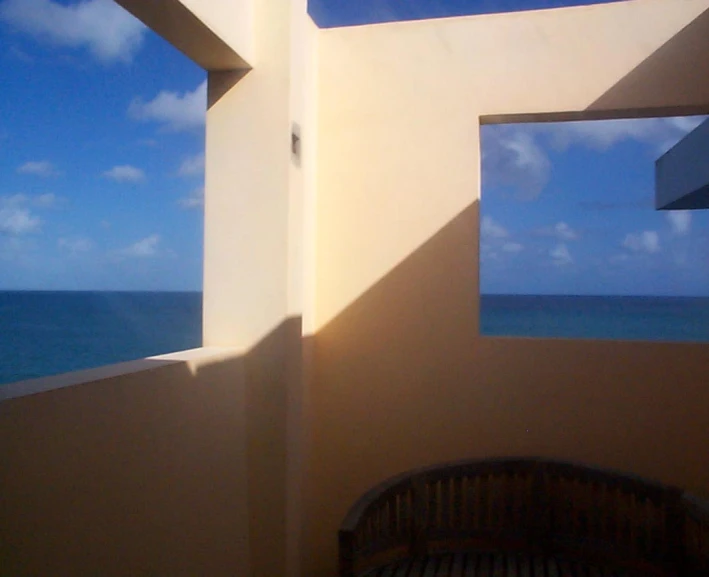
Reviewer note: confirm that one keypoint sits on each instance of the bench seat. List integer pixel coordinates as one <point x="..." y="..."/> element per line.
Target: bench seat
<point x="491" y="564"/>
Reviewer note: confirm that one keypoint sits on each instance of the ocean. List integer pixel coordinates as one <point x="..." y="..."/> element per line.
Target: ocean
<point x="45" y="333"/>
<point x="647" y="318"/>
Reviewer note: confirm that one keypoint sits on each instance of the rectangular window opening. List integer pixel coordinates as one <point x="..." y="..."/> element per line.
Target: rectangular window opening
<point x="101" y="224"/>
<point x="571" y="244"/>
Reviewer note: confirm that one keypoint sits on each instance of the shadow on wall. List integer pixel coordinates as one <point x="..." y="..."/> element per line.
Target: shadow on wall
<point x="402" y="381"/>
<point x="221" y="81"/>
<point x="171" y="473"/>
<point x="665" y="76"/>
<point x="146" y="473"/>
<point x="666" y="83"/>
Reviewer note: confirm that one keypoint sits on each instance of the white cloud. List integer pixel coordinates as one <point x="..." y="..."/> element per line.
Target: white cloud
<point x="490" y="229"/>
<point x="496" y="242"/>
<point x="16" y="216"/>
<point x="14" y="200"/>
<point x="661" y="133"/>
<point x="75" y="245"/>
<point x="125" y="173"/>
<point x="512" y="247"/>
<point x="560" y="231"/>
<point x="686" y="123"/>
<point x="47" y="200"/>
<point x="680" y="221"/>
<point x="195" y="200"/>
<point x="17" y="221"/>
<point x="647" y="241"/>
<point x="565" y="232"/>
<point x="175" y="111"/>
<point x="598" y="134"/>
<point x="512" y="158"/>
<point x="192" y="166"/>
<point x="105" y="29"/>
<point x="144" y="248"/>
<point x="38" y="168"/>
<point x="560" y="255"/>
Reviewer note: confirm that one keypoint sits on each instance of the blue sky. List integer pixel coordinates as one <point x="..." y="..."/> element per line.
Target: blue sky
<point x="333" y="13"/>
<point x="567" y="208"/>
<point x="102" y="140"/>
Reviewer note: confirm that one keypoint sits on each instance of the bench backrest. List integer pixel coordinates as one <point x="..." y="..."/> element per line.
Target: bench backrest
<point x="532" y="505"/>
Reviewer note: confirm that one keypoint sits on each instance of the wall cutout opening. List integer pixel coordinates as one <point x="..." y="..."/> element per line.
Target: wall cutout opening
<point x="101" y="224"/>
<point x="571" y="245"/>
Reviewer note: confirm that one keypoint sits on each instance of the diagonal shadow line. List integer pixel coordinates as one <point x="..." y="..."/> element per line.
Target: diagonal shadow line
<point x="401" y="379"/>
<point x="669" y="82"/>
<point x="174" y="22"/>
<point x="674" y="73"/>
<point x="221" y="81"/>
<point x="171" y="469"/>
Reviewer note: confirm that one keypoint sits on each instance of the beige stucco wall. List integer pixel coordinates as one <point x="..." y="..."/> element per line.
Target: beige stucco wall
<point x="401" y="378"/>
<point x="399" y="106"/>
<point x="142" y="473"/>
<point x="346" y="283"/>
<point x="259" y="245"/>
<point x="232" y="450"/>
<point x="246" y="194"/>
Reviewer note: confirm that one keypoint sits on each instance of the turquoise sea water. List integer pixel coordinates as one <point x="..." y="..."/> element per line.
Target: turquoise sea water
<point x="45" y="333"/>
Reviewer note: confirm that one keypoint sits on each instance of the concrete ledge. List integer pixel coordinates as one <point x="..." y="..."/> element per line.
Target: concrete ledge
<point x="192" y="358"/>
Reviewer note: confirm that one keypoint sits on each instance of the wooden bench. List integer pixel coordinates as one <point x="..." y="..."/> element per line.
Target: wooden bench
<point x="524" y="518"/>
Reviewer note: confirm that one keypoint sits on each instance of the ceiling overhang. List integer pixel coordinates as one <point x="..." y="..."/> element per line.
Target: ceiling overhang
<point x="177" y="24"/>
<point x="682" y="173"/>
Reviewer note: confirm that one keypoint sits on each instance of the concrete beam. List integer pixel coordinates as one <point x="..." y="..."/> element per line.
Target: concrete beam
<point x="191" y="27"/>
<point x="682" y="173"/>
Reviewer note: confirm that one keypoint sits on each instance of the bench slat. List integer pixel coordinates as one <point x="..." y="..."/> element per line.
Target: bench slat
<point x="598" y="516"/>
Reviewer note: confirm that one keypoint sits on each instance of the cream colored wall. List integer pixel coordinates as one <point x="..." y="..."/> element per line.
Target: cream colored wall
<point x="126" y="483"/>
<point x="137" y="474"/>
<point x="346" y="282"/>
<point x="302" y="239"/>
<point x="400" y="377"/>
<point x="257" y="199"/>
<point x="247" y="193"/>
<point x="399" y="107"/>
